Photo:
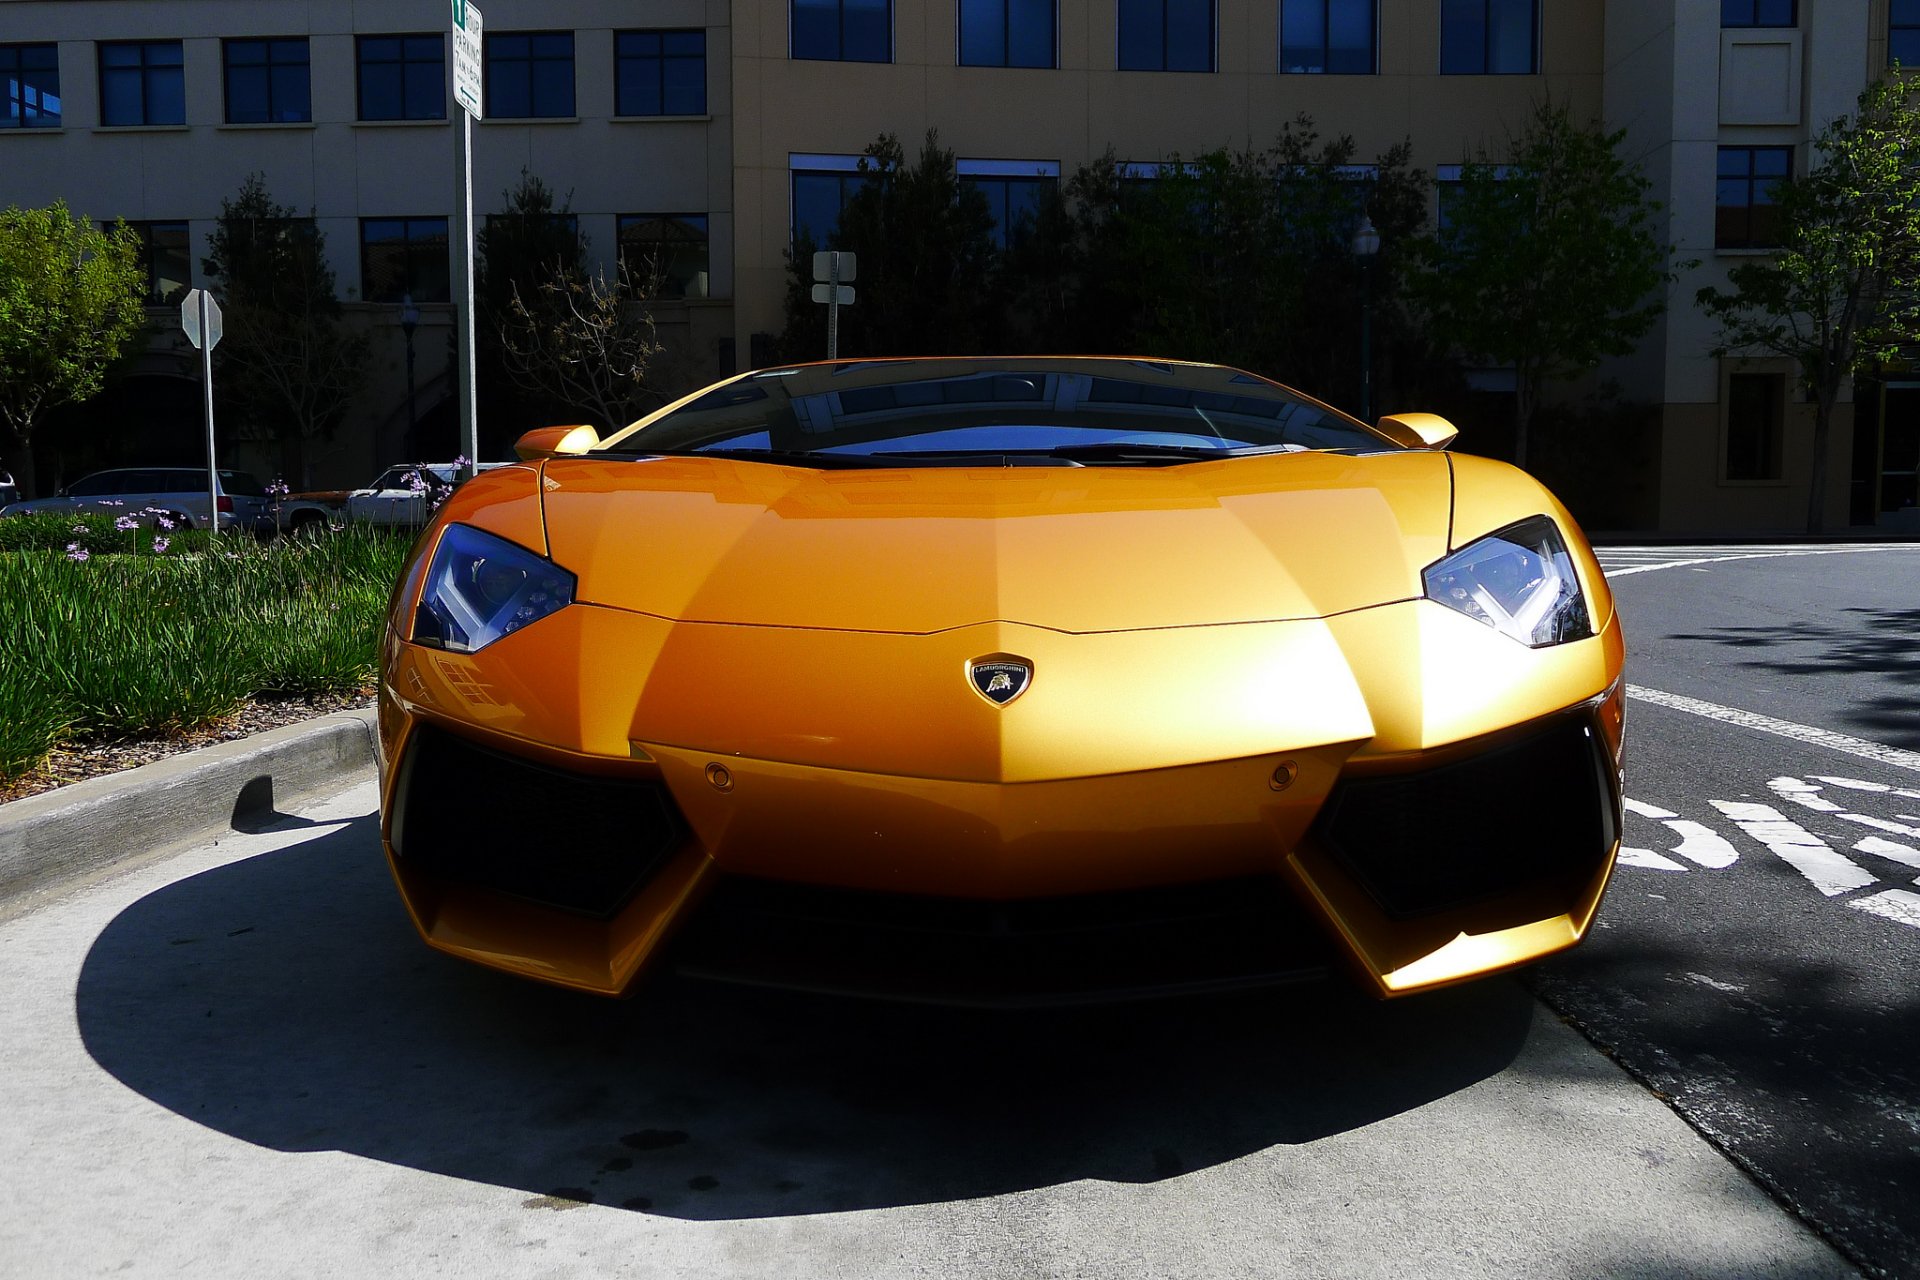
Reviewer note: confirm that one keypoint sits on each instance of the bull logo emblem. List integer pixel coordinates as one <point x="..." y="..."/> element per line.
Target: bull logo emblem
<point x="999" y="679"/>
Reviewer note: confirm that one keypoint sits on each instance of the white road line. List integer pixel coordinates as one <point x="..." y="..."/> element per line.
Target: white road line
<point x="1854" y="784"/>
<point x="1896" y="905"/>
<point x="1884" y="824"/>
<point x="1649" y="859"/>
<point x="1880" y="753"/>
<point x="1756" y="554"/>
<point x="1703" y="845"/>
<point x="1829" y="872"/>
<point x="1890" y="849"/>
<point x="1646" y="810"/>
<point x="1801" y="793"/>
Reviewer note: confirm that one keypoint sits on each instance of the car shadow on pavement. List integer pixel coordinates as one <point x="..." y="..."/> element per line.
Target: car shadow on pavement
<point x="285" y="1000"/>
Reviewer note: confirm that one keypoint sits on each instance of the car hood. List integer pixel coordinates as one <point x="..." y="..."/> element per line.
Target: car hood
<point x="1077" y="549"/>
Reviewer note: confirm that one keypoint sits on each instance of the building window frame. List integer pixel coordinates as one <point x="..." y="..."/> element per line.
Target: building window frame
<point x="279" y="94"/>
<point x="1740" y="14"/>
<point x="31" y="73"/>
<point x="180" y="254"/>
<point x="799" y="33"/>
<point x="160" y="74"/>
<point x="1903" y="33"/>
<point x="1484" y="15"/>
<point x="1143" y="16"/>
<point x="1735" y="224"/>
<point x="656" y="92"/>
<point x="1012" y="34"/>
<point x="682" y="273"/>
<point x="542" y="49"/>
<point x="846" y="172"/>
<point x="1001" y="181"/>
<point x="1753" y="425"/>
<point x="1324" y="46"/>
<point x="410" y="56"/>
<point x="419" y="242"/>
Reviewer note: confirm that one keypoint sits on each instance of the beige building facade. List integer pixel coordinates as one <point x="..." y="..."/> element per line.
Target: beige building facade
<point x="791" y="91"/>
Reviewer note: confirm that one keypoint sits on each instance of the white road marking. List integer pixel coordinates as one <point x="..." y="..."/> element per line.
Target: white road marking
<point x="1755" y="554"/>
<point x="1801" y="793"/>
<point x="1829" y="872"/>
<point x="1898" y="828"/>
<point x="1854" y="784"/>
<point x="1728" y="987"/>
<point x="1703" y="845"/>
<point x="1646" y="810"/>
<point x="1896" y="905"/>
<point x="1892" y="850"/>
<point x="1875" y="751"/>
<point x="1648" y="859"/>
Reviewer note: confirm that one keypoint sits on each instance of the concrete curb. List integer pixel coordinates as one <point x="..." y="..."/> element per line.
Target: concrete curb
<point x="78" y="830"/>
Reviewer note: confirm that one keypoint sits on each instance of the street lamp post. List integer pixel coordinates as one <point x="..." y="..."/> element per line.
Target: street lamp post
<point x="409" y="321"/>
<point x="1366" y="244"/>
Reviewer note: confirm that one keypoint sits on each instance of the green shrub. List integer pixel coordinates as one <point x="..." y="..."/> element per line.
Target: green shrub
<point x="126" y="645"/>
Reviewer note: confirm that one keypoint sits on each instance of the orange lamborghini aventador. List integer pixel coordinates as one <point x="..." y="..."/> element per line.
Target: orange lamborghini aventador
<point x="1002" y="681"/>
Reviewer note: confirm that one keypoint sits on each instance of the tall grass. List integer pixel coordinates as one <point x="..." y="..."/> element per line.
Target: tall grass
<point x="136" y="645"/>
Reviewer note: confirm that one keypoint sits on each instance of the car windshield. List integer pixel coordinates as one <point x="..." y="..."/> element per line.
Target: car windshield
<point x="906" y="412"/>
<point x="242" y="483"/>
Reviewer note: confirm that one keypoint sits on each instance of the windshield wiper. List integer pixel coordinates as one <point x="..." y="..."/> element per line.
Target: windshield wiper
<point x="787" y="457"/>
<point x="1123" y="451"/>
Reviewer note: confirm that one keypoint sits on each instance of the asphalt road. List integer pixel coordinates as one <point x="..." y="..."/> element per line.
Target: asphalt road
<point x="1757" y="957"/>
<point x="240" y="1061"/>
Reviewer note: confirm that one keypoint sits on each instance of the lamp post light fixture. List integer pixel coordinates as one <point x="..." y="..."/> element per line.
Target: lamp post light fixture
<point x="1366" y="245"/>
<point x="409" y="321"/>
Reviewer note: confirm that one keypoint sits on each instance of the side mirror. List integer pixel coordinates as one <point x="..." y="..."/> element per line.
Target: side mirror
<point x="555" y="442"/>
<point x="1419" y="430"/>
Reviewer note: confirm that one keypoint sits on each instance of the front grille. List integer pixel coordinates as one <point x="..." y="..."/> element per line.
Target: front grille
<point x="1535" y="812"/>
<point x="1093" y="948"/>
<point x="471" y="815"/>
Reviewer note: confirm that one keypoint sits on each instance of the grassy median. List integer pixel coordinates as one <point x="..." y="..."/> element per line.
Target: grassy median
<point x="103" y="637"/>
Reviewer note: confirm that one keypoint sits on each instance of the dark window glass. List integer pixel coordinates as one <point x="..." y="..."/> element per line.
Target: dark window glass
<point x="404" y="256"/>
<point x="403" y="78"/>
<point x="818" y="197"/>
<point x="667" y="249"/>
<point x="1015" y="203"/>
<point x="142" y="82"/>
<point x="1329" y="36"/>
<point x="530" y="74"/>
<point x="1007" y="33"/>
<point x="843" y="30"/>
<point x="1747" y="195"/>
<point x="1754" y="402"/>
<point x="1166" y="35"/>
<point x="660" y="73"/>
<point x="1903" y="33"/>
<point x="31" y="75"/>
<point x="164" y="257"/>
<point x="1758" y="13"/>
<point x="267" y="81"/>
<point x="1489" y="37"/>
<point x="96" y="485"/>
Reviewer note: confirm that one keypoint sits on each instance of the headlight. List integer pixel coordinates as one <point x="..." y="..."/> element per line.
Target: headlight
<point x="480" y="588"/>
<point x="1519" y="581"/>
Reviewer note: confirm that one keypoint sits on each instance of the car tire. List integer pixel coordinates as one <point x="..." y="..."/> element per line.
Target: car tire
<point x="307" y="525"/>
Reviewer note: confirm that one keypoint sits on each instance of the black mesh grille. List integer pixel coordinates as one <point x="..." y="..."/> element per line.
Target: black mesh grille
<point x="583" y="844"/>
<point x="1094" y="948"/>
<point x="1536" y="811"/>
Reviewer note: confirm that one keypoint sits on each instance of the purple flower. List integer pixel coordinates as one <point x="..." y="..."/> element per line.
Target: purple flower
<point x="159" y="546"/>
<point x="278" y="489"/>
<point x="460" y="462"/>
<point x="125" y="523"/>
<point x="415" y="483"/>
<point x="79" y="528"/>
<point x="77" y="553"/>
<point x="163" y="522"/>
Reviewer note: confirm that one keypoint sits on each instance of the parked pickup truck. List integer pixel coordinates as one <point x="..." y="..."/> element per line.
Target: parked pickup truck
<point x="403" y="496"/>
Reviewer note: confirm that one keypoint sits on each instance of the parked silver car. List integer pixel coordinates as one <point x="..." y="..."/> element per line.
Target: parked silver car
<point x="9" y="491"/>
<point x="180" y="493"/>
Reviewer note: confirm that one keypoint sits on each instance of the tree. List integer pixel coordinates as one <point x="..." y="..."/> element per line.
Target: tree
<point x="585" y="343"/>
<point x="930" y="280"/>
<point x="287" y="369"/>
<point x="1843" y="293"/>
<point x="533" y="241"/>
<point x="71" y="298"/>
<point x="1547" y="260"/>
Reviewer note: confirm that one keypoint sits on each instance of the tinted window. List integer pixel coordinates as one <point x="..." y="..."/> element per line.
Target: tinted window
<point x="30" y="75"/>
<point x="267" y="81"/>
<point x="1488" y="37"/>
<point x="1166" y="35"/>
<point x="402" y="78"/>
<point x="842" y="30"/>
<point x="402" y="257"/>
<point x="242" y="484"/>
<point x="94" y="486"/>
<point x="530" y="74"/>
<point x="660" y="73"/>
<point x="1007" y="33"/>
<point x="142" y="83"/>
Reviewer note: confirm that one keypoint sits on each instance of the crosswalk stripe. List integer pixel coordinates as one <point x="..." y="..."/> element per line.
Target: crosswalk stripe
<point x="1829" y="872"/>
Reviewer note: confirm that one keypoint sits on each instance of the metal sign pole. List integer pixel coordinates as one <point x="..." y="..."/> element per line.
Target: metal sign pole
<point x="470" y="382"/>
<point x="206" y="383"/>
<point x="833" y="307"/>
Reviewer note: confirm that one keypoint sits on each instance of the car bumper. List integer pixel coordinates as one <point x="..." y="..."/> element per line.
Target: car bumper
<point x="1400" y="837"/>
